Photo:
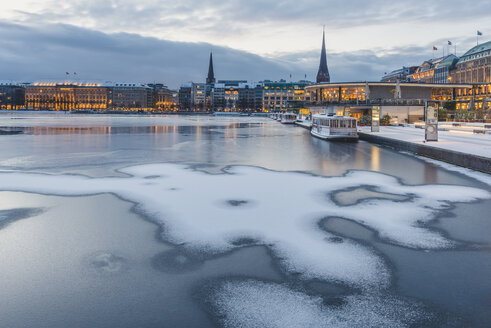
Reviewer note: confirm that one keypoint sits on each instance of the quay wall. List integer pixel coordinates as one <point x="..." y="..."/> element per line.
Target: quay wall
<point x="474" y="162"/>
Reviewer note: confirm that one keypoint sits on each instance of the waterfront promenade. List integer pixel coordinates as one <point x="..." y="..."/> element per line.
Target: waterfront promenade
<point x="464" y="145"/>
<point x="460" y="139"/>
<point x="461" y="146"/>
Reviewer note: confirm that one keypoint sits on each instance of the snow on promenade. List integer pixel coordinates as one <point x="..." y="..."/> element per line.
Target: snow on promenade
<point x="456" y="140"/>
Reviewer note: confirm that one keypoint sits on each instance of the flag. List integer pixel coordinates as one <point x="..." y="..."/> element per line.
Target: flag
<point x="435" y="48"/>
<point x="290" y="76"/>
<point x="479" y="33"/>
<point x="449" y="43"/>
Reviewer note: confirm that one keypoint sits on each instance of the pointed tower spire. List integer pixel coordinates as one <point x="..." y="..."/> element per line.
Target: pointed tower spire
<point x="323" y="73"/>
<point x="211" y="75"/>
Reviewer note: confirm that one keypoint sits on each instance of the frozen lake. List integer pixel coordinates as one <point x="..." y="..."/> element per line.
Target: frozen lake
<point x="200" y="221"/>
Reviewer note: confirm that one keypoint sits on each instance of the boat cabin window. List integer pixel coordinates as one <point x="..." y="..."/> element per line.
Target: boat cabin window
<point x="335" y="123"/>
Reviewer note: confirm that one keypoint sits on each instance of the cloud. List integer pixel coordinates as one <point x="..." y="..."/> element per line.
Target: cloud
<point x="263" y="27"/>
<point x="220" y="15"/>
<point x="47" y="52"/>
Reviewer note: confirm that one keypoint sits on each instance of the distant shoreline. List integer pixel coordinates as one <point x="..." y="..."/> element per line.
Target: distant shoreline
<point x="143" y="113"/>
<point x="120" y="112"/>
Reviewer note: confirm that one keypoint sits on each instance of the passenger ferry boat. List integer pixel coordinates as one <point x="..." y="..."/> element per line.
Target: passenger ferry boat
<point x="288" y="118"/>
<point x="334" y="127"/>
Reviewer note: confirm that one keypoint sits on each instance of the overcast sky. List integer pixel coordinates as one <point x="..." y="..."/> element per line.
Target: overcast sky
<point x="169" y="41"/>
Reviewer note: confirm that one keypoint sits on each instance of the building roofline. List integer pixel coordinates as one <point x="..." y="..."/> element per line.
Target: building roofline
<point x="406" y="84"/>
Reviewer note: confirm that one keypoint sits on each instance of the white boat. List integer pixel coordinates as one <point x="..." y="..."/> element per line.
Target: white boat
<point x="334" y="127"/>
<point x="288" y="118"/>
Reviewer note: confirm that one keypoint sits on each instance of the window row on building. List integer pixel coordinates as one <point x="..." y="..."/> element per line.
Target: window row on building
<point x="240" y="95"/>
<point x="472" y="67"/>
<point x="69" y="96"/>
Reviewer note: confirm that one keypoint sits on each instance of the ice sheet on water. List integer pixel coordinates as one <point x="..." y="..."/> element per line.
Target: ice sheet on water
<point x="479" y="176"/>
<point x="354" y="196"/>
<point x="9" y="216"/>
<point x="106" y="262"/>
<point x="278" y="209"/>
<point x="258" y="304"/>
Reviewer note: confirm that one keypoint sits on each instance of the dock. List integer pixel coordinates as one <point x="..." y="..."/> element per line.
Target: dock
<point x="304" y="124"/>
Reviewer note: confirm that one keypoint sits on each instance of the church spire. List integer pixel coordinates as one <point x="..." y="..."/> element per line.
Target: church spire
<point x="211" y="75"/>
<point x="323" y="73"/>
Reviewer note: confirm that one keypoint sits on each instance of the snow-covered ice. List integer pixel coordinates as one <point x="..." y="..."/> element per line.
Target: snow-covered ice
<point x="211" y="212"/>
<point x="252" y="303"/>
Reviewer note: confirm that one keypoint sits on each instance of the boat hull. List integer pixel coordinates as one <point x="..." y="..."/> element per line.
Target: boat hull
<point x="344" y="138"/>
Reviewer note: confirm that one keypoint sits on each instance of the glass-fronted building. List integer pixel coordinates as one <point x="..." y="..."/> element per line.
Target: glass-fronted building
<point x="404" y="102"/>
<point x="279" y="96"/>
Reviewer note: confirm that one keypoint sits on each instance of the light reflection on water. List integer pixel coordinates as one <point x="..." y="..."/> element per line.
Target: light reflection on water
<point x="48" y="282"/>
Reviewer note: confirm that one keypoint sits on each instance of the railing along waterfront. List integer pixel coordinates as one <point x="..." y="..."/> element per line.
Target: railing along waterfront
<point x="372" y="102"/>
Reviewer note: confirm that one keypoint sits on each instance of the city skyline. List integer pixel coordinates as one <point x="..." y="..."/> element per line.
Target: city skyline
<point x="99" y="41"/>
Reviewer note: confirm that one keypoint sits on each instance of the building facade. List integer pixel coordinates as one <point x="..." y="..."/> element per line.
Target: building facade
<point x="435" y="70"/>
<point x="404" y="102"/>
<point x="163" y="99"/>
<point x="66" y="96"/>
<point x="251" y="97"/>
<point x="225" y="95"/>
<point x="474" y="66"/>
<point x="280" y="96"/>
<point x="129" y="96"/>
<point x="192" y="97"/>
<point x="12" y="95"/>
<point x="402" y="74"/>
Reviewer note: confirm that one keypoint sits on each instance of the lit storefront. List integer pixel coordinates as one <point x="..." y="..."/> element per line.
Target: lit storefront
<point x="404" y="102"/>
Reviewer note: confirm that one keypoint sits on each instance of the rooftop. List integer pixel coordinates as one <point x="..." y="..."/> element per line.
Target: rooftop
<point x="481" y="50"/>
<point x="439" y="62"/>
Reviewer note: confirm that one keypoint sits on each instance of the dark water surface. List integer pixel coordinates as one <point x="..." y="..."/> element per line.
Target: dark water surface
<point x="96" y="261"/>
